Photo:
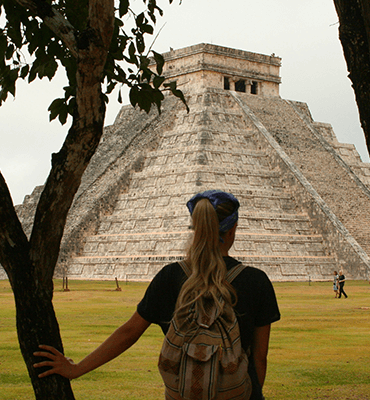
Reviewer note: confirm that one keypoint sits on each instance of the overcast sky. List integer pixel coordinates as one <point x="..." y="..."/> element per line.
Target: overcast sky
<point x="303" y="33"/>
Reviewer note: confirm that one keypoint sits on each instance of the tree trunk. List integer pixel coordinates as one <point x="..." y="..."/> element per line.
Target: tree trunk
<point x="354" y="34"/>
<point x="35" y="317"/>
<point x="37" y="324"/>
<point x="30" y="263"/>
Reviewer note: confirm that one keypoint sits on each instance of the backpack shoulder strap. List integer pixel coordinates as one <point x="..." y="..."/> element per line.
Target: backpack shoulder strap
<point x="185" y="268"/>
<point x="234" y="272"/>
<point x="230" y="276"/>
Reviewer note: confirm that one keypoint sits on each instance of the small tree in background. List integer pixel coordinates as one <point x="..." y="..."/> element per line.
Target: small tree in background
<point x="89" y="40"/>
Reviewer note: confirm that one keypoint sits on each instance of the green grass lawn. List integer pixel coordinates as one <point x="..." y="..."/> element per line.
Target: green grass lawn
<point x="319" y="350"/>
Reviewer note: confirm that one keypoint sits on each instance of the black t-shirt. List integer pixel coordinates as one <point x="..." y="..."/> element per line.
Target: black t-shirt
<point x="256" y="306"/>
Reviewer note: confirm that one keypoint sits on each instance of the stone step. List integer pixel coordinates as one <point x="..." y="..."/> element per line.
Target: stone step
<point x="233" y="181"/>
<point x="260" y="222"/>
<point x="143" y="268"/>
<point x="266" y="244"/>
<point x="215" y="147"/>
<point x="295" y="269"/>
<point x="167" y="170"/>
<point x="246" y="193"/>
<point x="274" y="222"/>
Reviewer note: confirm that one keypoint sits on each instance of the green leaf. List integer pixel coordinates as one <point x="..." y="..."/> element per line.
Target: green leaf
<point x="59" y="108"/>
<point x="33" y="73"/>
<point x="3" y="44"/>
<point x="118" y="23"/>
<point x="3" y="95"/>
<point x="14" y="33"/>
<point x="55" y="48"/>
<point x="70" y="65"/>
<point x="146" y="28"/>
<point x="131" y="52"/>
<point x="157" y="81"/>
<point x="69" y="91"/>
<point x="9" y="51"/>
<point x="146" y="75"/>
<point x="140" y="19"/>
<point x="9" y="81"/>
<point x="32" y="46"/>
<point x="120" y="75"/>
<point x="159" y="60"/>
<point x="63" y="115"/>
<point x="111" y="87"/>
<point x="172" y="86"/>
<point x="144" y="62"/>
<point x="152" y="17"/>
<point x="157" y="99"/>
<point x="32" y="27"/>
<point x="140" y="44"/>
<point x="24" y="71"/>
<point x="134" y="95"/>
<point x="123" y="7"/>
<point x="144" y="96"/>
<point x="152" y="6"/>
<point x="55" y="108"/>
<point x="50" y="69"/>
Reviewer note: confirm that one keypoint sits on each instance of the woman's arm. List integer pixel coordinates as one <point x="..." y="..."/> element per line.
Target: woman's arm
<point x="260" y="348"/>
<point x="120" y="340"/>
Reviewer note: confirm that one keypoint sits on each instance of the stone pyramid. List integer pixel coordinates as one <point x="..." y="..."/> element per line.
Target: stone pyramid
<point x="305" y="201"/>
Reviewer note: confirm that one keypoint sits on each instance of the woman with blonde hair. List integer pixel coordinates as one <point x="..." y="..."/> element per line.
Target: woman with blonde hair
<point x="214" y="222"/>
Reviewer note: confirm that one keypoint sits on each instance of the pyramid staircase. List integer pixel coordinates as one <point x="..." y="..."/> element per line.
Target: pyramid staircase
<point x="216" y="145"/>
<point x="335" y="182"/>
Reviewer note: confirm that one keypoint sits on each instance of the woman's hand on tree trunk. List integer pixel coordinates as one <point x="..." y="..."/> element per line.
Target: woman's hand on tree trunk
<point x="58" y="363"/>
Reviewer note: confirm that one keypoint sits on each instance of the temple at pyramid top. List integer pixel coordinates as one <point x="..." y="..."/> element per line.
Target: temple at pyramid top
<point x="208" y="65"/>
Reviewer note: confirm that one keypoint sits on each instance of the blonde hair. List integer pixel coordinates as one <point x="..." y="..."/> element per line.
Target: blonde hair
<point x="208" y="268"/>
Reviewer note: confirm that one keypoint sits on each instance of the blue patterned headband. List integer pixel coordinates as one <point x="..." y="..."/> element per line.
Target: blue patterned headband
<point x="217" y="197"/>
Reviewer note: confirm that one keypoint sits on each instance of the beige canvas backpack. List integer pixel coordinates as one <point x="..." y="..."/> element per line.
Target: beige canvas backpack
<point x="202" y="357"/>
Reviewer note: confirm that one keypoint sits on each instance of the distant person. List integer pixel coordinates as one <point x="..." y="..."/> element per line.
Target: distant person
<point x="214" y="219"/>
<point x="336" y="284"/>
<point x="342" y="281"/>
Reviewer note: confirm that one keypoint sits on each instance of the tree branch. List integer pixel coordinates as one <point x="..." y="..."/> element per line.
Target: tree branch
<point x="53" y="20"/>
<point x="14" y="246"/>
<point x="82" y="140"/>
